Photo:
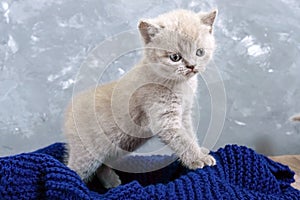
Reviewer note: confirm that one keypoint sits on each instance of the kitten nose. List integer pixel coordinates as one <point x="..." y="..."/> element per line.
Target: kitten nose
<point x="190" y="67"/>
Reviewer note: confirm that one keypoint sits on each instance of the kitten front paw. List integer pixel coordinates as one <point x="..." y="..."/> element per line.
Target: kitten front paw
<point x="207" y="160"/>
<point x="204" y="150"/>
<point x="111" y="183"/>
<point x="107" y="177"/>
<point x="201" y="160"/>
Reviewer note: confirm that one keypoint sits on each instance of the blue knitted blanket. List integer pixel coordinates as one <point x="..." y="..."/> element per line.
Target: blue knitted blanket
<point x="240" y="173"/>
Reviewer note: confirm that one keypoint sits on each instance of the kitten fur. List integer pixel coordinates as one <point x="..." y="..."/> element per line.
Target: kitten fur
<point x="154" y="98"/>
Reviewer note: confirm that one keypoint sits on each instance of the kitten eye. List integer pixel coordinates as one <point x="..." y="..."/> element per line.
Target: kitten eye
<point x="175" y="57"/>
<point x="200" y="52"/>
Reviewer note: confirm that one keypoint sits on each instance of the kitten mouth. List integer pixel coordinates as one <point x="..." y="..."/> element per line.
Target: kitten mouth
<point x="192" y="72"/>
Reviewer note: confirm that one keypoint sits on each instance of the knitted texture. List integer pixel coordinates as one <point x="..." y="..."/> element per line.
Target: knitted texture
<point x="240" y="173"/>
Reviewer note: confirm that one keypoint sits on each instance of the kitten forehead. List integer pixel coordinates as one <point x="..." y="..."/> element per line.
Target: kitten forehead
<point x="184" y="22"/>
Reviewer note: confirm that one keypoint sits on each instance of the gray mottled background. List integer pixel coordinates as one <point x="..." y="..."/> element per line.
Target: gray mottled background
<point x="44" y="42"/>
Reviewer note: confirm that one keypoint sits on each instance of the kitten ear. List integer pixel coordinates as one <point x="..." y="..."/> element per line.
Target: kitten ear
<point x="209" y="18"/>
<point x="147" y="30"/>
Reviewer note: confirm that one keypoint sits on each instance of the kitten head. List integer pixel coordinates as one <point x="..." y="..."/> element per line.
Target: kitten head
<point x="178" y="44"/>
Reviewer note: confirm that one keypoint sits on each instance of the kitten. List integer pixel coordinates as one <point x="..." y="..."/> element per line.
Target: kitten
<point x="154" y="98"/>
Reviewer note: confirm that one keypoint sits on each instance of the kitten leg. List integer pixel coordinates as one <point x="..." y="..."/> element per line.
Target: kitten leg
<point x="166" y="123"/>
<point x="108" y="177"/>
<point x="188" y="126"/>
<point x="83" y="164"/>
<point x="188" y="150"/>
